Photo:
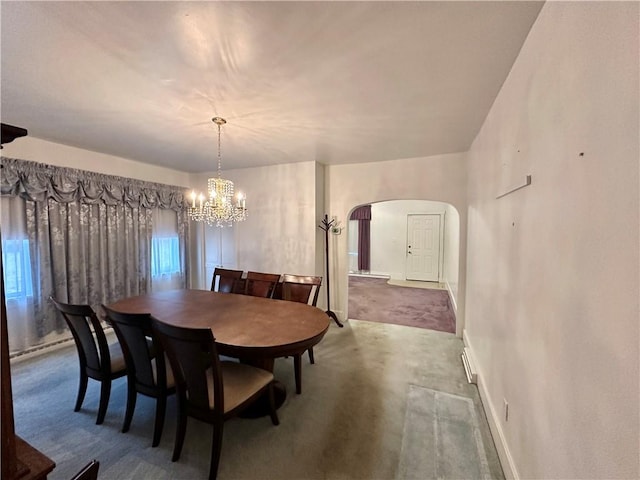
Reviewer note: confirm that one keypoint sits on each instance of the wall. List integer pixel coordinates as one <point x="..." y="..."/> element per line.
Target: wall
<point x="451" y="261"/>
<point x="552" y="276"/>
<point x="440" y="178"/>
<point x="37" y="150"/>
<point x="280" y="233"/>
<point x="320" y="260"/>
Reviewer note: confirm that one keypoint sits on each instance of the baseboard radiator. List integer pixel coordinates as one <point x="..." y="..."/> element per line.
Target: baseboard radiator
<point x="469" y="367"/>
<point x="45" y="347"/>
<point x="42" y="348"/>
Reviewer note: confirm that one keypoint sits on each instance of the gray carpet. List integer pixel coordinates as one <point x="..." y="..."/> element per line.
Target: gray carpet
<point x="367" y="411"/>
<point x="441" y="437"/>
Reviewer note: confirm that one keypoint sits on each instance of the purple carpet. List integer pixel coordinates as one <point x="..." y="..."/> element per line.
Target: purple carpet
<point x="374" y="300"/>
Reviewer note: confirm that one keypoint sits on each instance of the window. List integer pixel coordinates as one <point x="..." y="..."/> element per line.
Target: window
<point x="16" y="264"/>
<point x="165" y="256"/>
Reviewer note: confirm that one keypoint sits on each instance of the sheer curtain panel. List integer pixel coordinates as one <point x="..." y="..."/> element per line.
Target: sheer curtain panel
<point x="167" y="257"/>
<point x="17" y="268"/>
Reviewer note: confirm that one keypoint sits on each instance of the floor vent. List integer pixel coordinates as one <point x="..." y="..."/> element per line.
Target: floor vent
<point x="469" y="367"/>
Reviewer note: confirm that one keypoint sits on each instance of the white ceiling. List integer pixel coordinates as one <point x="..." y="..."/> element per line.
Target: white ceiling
<point x="334" y="82"/>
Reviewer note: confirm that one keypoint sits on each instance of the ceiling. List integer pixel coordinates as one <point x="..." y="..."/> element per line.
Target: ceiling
<point x="333" y="82"/>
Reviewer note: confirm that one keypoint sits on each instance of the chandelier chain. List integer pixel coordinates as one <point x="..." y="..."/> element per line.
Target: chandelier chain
<point x="219" y="153"/>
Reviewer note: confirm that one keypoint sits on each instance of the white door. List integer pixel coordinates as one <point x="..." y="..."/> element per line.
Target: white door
<point x="423" y="247"/>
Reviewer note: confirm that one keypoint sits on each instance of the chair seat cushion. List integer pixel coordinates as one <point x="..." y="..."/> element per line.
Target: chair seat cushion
<point x="117" y="358"/>
<point x="240" y="382"/>
<point x="170" y="380"/>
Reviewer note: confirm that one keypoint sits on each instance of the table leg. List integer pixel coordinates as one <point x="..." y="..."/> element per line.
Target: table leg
<point x="260" y="407"/>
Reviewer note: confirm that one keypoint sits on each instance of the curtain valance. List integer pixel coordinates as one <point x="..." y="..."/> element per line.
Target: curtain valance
<point x="38" y="182"/>
<point x="361" y="213"/>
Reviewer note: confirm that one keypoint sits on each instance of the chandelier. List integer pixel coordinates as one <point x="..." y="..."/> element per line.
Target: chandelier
<point x="220" y="208"/>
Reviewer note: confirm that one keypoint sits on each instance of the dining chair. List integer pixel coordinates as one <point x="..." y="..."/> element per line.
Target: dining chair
<point x="227" y="281"/>
<point x="261" y="284"/>
<point x="99" y="360"/>
<point x="147" y="370"/>
<point x="302" y="289"/>
<point x="208" y="389"/>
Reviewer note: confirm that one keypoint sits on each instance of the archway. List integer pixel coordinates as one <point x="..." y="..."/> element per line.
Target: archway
<point x="390" y="252"/>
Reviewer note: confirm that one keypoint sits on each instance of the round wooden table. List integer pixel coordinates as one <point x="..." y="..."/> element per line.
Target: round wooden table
<point x="255" y="330"/>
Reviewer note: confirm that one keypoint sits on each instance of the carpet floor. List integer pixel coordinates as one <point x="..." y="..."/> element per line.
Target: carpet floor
<point x="374" y="300"/>
<point x="381" y="402"/>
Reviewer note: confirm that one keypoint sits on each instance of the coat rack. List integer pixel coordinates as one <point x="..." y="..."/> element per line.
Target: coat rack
<point x="327" y="225"/>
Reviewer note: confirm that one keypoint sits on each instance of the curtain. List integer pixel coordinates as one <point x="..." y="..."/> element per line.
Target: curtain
<point x="89" y="238"/>
<point x="87" y="254"/>
<point x="363" y="216"/>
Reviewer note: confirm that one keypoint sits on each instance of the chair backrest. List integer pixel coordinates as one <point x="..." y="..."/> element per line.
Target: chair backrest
<point x="194" y="360"/>
<point x="226" y="280"/>
<point x="89" y="472"/>
<point x="261" y="284"/>
<point x="88" y="335"/>
<point x="300" y="288"/>
<point x="134" y="332"/>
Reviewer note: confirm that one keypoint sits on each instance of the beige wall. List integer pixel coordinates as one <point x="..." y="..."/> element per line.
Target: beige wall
<point x="37" y="150"/>
<point x="440" y="178"/>
<point x="280" y="233"/>
<point x="451" y="261"/>
<point x="552" y="275"/>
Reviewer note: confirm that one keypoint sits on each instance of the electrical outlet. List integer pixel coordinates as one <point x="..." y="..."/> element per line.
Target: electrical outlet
<point x="506" y="410"/>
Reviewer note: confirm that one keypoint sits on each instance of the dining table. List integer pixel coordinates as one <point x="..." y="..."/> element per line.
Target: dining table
<point x="254" y="330"/>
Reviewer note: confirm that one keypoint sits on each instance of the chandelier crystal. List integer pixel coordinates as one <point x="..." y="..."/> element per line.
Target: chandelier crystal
<point x="220" y="208"/>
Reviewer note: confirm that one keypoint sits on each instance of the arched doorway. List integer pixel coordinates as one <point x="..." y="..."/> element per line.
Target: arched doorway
<point x="394" y="246"/>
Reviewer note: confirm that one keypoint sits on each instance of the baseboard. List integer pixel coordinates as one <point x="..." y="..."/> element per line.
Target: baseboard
<point x="369" y="275"/>
<point x="493" y="418"/>
<point x="465" y="340"/>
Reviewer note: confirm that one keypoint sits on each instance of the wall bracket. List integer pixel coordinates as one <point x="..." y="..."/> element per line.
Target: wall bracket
<point x="527" y="182"/>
